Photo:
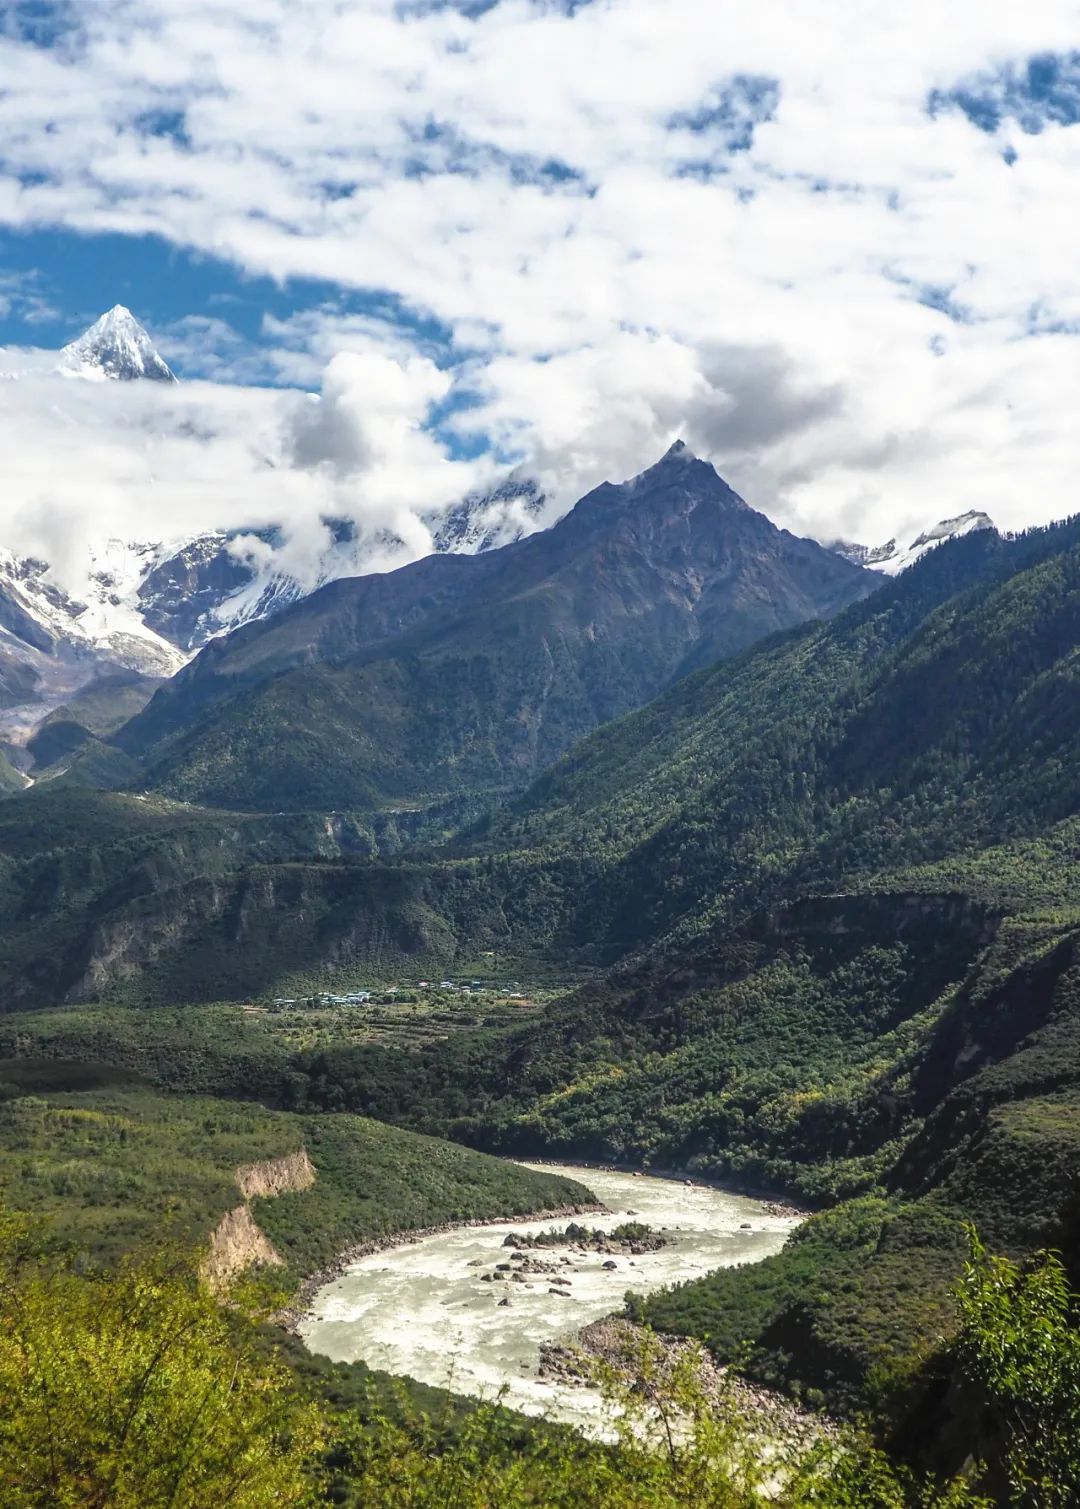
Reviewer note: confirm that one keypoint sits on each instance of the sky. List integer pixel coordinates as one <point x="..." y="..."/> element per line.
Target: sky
<point x="396" y="247"/>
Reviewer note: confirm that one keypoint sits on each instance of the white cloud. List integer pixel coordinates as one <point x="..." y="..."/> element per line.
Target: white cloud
<point x="767" y="305"/>
<point x="365" y="435"/>
<point x="85" y="462"/>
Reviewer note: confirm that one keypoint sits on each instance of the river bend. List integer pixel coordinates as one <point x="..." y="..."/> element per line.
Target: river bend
<point x="423" y="1310"/>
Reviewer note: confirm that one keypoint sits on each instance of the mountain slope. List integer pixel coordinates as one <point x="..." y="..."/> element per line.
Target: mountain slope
<point x="182" y="1161"/>
<point x="11" y="778"/>
<point x="937" y="711"/>
<point x="35" y="611"/>
<point x="52" y="646"/>
<point x="470" y="674"/>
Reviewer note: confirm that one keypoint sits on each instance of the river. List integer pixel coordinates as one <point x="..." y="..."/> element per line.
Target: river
<point x="423" y="1310"/>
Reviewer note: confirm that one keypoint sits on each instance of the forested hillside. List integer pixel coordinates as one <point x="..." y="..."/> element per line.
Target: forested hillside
<point x="937" y="715"/>
<point x="10" y="779"/>
<point x="105" y="1164"/>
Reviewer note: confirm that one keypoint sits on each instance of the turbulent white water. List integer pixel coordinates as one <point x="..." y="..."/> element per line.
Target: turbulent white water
<point x="421" y="1310"/>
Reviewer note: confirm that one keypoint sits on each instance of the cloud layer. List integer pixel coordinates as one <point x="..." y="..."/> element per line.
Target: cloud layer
<point x="836" y="252"/>
<point x="89" y="461"/>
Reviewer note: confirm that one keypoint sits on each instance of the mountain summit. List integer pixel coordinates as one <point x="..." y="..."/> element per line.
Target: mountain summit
<point x="463" y="675"/>
<point x="115" y="347"/>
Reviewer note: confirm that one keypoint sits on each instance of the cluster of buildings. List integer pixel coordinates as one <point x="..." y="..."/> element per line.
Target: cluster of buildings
<point x="511" y="992"/>
<point x="325" y="998"/>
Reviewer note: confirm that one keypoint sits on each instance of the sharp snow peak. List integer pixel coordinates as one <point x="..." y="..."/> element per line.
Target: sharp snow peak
<point x="115" y="348"/>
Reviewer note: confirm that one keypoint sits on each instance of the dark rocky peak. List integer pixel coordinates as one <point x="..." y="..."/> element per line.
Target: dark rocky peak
<point x="549" y="636"/>
<point x="663" y="495"/>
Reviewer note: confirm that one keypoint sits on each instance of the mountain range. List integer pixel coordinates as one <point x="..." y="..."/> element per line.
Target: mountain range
<point x="461" y="676"/>
<point x="933" y="716"/>
<point x="149" y="606"/>
<point x="891" y="558"/>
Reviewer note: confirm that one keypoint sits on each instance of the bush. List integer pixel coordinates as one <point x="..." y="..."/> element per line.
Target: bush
<point x="137" y="1391"/>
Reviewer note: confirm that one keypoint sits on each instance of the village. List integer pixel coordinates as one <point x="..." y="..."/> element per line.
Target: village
<point x="398" y="994"/>
<point x="399" y="1011"/>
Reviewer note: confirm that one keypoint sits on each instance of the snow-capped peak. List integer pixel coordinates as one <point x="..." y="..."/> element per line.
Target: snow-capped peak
<point x="115" y="347"/>
<point x="891" y="559"/>
<point x="948" y="529"/>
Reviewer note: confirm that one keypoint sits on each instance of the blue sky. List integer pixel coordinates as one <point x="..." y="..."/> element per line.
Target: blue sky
<point x="59" y="281"/>
<point x="840" y="260"/>
<point x="77" y="276"/>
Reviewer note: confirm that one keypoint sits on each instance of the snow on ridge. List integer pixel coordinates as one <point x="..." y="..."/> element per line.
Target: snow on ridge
<point x="891" y="559"/>
<point x="485" y="521"/>
<point x="106" y="624"/>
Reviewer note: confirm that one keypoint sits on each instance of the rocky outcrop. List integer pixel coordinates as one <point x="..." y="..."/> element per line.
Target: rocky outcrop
<point x="885" y="914"/>
<point x="237" y="1242"/>
<point x="236" y="1245"/>
<point x="276" y="1176"/>
<point x="650" y="1361"/>
<point x="630" y="1239"/>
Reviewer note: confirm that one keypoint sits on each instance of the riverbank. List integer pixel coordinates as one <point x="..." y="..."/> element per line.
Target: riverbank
<point x="648" y="1360"/>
